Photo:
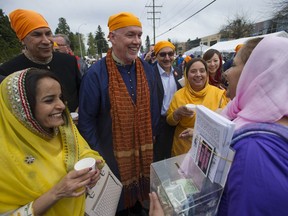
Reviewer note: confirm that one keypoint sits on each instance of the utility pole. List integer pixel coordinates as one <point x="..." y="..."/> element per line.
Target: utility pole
<point x="153" y="18"/>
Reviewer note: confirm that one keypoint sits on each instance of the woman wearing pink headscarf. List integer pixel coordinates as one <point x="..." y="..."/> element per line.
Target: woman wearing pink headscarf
<point x="258" y="180"/>
<point x="257" y="183"/>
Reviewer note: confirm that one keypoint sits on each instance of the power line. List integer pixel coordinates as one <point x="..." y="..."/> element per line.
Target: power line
<point x="187" y="18"/>
<point x="179" y="11"/>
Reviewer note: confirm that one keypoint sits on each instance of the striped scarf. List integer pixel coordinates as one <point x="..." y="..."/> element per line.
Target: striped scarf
<point x="132" y="132"/>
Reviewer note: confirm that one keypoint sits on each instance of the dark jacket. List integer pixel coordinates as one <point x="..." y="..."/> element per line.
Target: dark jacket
<point x="63" y="65"/>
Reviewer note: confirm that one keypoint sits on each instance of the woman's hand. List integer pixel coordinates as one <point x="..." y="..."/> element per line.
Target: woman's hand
<point x="155" y="208"/>
<point x="71" y="185"/>
<point x="74" y="183"/>
<point x="186" y="134"/>
<point x="181" y="112"/>
<point x="95" y="178"/>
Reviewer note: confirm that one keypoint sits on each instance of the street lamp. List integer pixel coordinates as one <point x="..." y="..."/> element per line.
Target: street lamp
<point x="201" y="45"/>
<point x="79" y="37"/>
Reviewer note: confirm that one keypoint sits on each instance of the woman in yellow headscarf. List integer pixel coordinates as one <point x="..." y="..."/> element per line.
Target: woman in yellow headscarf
<point x="197" y="90"/>
<point x="39" y="147"/>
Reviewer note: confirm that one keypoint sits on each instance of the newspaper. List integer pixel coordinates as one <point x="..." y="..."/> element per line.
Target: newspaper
<point x="210" y="149"/>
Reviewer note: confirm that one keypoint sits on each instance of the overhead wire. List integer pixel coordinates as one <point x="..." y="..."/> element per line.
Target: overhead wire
<point x="168" y="16"/>
<point x="186" y="19"/>
<point x="180" y="11"/>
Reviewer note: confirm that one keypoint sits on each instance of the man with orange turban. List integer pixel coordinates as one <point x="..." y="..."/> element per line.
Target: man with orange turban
<point x="35" y="34"/>
<point x="167" y="84"/>
<point x="118" y="111"/>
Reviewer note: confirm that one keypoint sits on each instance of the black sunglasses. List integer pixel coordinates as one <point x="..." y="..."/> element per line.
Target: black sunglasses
<point x="163" y="54"/>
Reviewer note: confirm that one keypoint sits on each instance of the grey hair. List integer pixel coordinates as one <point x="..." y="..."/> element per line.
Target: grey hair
<point x="67" y="41"/>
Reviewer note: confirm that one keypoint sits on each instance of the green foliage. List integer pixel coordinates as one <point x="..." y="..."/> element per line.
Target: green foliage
<point x="9" y="43"/>
<point x="63" y="27"/>
<point x="79" y="38"/>
<point x="73" y="41"/>
<point x="100" y="42"/>
<point x="91" y="51"/>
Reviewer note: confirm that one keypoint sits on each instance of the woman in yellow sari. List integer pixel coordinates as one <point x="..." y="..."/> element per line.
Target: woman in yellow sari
<point x="39" y="147"/>
<point x="197" y="90"/>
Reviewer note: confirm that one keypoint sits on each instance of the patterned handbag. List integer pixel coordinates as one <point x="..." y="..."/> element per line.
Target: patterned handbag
<point x="104" y="196"/>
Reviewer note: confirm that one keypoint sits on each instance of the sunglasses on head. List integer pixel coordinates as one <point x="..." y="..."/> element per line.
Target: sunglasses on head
<point x="163" y="54"/>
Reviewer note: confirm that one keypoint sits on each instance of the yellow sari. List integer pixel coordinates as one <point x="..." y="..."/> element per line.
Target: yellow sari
<point x="211" y="97"/>
<point x="32" y="162"/>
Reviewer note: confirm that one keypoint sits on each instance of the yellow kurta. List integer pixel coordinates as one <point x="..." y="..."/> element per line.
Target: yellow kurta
<point x="211" y="97"/>
<point x="32" y="163"/>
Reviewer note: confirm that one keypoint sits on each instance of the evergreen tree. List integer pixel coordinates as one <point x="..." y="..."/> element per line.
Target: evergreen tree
<point x="63" y="27"/>
<point x="74" y="45"/>
<point x="100" y="41"/>
<point x="9" y="43"/>
<point x="141" y="49"/>
<point x="80" y="44"/>
<point x="147" y="43"/>
<point x="91" y="51"/>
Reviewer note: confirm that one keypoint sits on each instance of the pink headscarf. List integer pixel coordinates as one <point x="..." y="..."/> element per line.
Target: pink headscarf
<point x="262" y="90"/>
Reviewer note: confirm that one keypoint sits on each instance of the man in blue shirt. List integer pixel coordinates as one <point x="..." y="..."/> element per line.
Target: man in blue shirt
<point x="118" y="110"/>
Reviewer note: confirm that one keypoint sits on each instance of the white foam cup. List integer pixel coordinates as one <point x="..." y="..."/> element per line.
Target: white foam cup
<point x="191" y="107"/>
<point x="74" y="115"/>
<point x="85" y="163"/>
<point x="182" y="81"/>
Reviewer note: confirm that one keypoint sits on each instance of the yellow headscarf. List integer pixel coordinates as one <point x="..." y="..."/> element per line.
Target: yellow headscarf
<point x="25" y="21"/>
<point x="122" y="20"/>
<point x="161" y="44"/>
<point x="31" y="162"/>
<point x="210" y="96"/>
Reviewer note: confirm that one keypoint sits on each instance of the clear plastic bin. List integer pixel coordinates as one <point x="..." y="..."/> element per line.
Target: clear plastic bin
<point x="182" y="187"/>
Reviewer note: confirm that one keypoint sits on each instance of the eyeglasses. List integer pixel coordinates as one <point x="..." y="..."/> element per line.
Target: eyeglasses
<point x="164" y="54"/>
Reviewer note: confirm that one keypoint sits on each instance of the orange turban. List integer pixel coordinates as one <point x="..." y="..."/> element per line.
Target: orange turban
<point x="25" y="21"/>
<point x="122" y="20"/>
<point x="238" y="47"/>
<point x="187" y="59"/>
<point x="161" y="44"/>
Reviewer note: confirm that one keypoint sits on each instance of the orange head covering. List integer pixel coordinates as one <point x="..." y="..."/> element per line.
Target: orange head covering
<point x="187" y="59"/>
<point x="161" y="44"/>
<point x="25" y="21"/>
<point x="55" y="45"/>
<point x="238" y="47"/>
<point x="122" y="20"/>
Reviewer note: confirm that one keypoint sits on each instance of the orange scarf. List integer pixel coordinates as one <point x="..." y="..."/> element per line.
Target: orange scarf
<point x="132" y="132"/>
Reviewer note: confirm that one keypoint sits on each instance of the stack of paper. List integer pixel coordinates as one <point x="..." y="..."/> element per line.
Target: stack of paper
<point x="210" y="148"/>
